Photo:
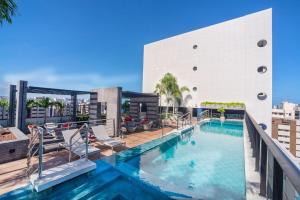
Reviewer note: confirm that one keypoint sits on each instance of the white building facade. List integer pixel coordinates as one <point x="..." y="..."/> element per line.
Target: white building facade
<point x="226" y="62"/>
<point x="286" y="110"/>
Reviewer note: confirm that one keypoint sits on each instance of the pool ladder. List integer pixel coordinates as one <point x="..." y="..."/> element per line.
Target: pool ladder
<point x="185" y="119"/>
<point x="36" y="139"/>
<point x="204" y="115"/>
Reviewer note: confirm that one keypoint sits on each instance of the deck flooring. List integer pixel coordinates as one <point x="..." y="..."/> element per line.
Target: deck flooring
<point x="12" y="174"/>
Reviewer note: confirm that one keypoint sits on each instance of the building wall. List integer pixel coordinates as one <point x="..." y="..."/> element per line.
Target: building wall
<point x="286" y="110"/>
<point x="226" y="57"/>
<point x="287" y="132"/>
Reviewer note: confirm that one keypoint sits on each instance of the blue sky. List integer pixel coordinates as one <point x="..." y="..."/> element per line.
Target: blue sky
<point x="95" y="43"/>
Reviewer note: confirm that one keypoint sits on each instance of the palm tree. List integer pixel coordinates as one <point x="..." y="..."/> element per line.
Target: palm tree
<point x="7" y="10"/>
<point x="60" y="105"/>
<point x="178" y="94"/>
<point x="29" y="105"/>
<point x="44" y="102"/>
<point x="3" y="105"/>
<point x="126" y="106"/>
<point x="169" y="87"/>
<point x="159" y="89"/>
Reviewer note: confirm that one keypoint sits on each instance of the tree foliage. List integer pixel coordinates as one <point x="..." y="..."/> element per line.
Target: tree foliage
<point x="169" y="88"/>
<point x="221" y="110"/>
<point x="224" y="104"/>
<point x="45" y="103"/>
<point x="7" y="10"/>
<point x="3" y="103"/>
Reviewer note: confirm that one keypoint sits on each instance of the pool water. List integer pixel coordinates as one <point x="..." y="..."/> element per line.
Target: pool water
<point x="104" y="183"/>
<point x="204" y="163"/>
<point x="207" y="162"/>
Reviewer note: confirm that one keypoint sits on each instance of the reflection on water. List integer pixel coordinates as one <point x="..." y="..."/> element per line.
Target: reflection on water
<point x="207" y="162"/>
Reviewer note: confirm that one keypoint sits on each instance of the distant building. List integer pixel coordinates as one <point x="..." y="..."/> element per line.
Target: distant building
<point x="83" y="108"/>
<point x="52" y="111"/>
<point x="286" y="110"/>
<point x="287" y="132"/>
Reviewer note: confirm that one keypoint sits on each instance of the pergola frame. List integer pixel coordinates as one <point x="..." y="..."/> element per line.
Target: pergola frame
<point x="20" y="94"/>
<point x="151" y="100"/>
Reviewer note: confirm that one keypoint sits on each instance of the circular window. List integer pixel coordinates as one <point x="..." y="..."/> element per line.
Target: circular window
<point x="195" y="46"/>
<point x="262" y="69"/>
<point x="194" y="89"/>
<point x="261" y="96"/>
<point x="263" y="126"/>
<point x="195" y="68"/>
<point x="262" y="43"/>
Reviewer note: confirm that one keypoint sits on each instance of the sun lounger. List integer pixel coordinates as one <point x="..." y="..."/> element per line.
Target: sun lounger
<point x="131" y="127"/>
<point x="50" y="129"/>
<point x="101" y="135"/>
<point x="148" y="126"/>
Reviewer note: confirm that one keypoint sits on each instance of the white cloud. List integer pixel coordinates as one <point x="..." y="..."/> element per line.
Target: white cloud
<point x="49" y="77"/>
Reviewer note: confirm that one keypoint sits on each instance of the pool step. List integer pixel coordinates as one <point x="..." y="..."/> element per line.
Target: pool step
<point x="62" y="173"/>
<point x="52" y="147"/>
<point x="92" y="183"/>
<point x="155" y="186"/>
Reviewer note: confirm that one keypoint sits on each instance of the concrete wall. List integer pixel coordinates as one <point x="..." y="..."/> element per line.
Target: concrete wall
<point x="14" y="149"/>
<point x="226" y="57"/>
<point x="112" y="96"/>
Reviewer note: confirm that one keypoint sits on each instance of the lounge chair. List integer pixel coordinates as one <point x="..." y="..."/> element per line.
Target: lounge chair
<point x="101" y="135"/>
<point x="148" y="126"/>
<point x="131" y="127"/>
<point x="79" y="145"/>
<point x="50" y="129"/>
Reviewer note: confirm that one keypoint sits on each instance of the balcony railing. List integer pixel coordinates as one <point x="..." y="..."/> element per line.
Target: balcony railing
<point x="279" y="174"/>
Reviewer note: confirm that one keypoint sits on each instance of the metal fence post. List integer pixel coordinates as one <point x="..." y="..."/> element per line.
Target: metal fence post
<point x="263" y="168"/>
<point x="40" y="167"/>
<point x="70" y="152"/>
<point x="86" y="140"/>
<point x="114" y="128"/>
<point x="162" y="128"/>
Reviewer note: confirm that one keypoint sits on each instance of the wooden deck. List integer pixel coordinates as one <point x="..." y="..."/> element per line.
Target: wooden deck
<point x="12" y="174"/>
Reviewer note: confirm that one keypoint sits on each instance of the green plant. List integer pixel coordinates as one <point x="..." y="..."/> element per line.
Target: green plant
<point x="169" y="88"/>
<point x="4" y="106"/>
<point x="29" y="105"/>
<point x="7" y="10"/>
<point x="60" y="105"/>
<point x="126" y="106"/>
<point x="82" y="117"/>
<point x="221" y="110"/>
<point x="223" y="104"/>
<point x="44" y="102"/>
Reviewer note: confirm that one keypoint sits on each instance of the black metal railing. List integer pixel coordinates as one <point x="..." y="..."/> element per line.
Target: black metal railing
<point x="269" y="154"/>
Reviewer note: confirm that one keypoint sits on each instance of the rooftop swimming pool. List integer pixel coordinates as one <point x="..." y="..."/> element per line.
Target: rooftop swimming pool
<point x="207" y="162"/>
<point x="204" y="163"/>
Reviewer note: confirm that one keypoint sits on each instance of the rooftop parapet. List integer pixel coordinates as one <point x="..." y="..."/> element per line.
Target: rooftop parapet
<point x="279" y="173"/>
